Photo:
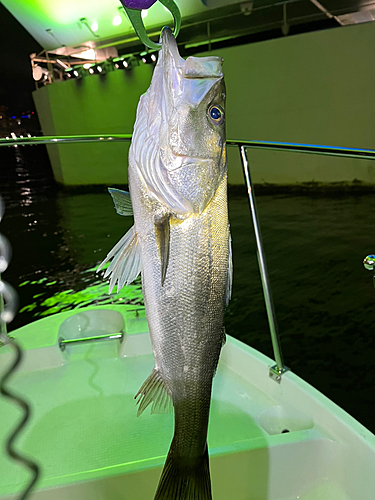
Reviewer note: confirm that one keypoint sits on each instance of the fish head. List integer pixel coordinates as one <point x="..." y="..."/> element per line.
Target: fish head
<point x="185" y="107"/>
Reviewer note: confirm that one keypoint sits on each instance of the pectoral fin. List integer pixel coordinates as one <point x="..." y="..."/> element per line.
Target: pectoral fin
<point x="126" y="261"/>
<point x="162" y="234"/>
<point x="122" y="201"/>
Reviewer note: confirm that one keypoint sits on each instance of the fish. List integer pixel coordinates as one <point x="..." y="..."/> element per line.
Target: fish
<point x="180" y="243"/>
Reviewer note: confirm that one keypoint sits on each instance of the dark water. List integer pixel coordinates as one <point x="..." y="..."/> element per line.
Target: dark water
<point x="323" y="296"/>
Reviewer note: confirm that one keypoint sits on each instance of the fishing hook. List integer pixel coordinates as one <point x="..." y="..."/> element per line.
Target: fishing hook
<point x="134" y="8"/>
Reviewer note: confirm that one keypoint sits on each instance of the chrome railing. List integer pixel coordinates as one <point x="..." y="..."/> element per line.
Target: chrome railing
<point x="13" y="140"/>
<point x="279" y="368"/>
<point x="364" y="154"/>
<point x="95" y="338"/>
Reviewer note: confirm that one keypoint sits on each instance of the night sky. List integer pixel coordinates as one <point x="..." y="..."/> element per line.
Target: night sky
<point x="16" y="81"/>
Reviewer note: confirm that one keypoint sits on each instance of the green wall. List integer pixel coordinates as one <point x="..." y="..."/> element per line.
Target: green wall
<point x="97" y="104"/>
<point x="314" y="88"/>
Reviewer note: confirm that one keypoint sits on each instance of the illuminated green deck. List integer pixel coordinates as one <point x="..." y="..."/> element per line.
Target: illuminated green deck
<point x="90" y="444"/>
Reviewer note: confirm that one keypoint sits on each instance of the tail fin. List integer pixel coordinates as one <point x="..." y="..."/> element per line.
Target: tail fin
<point x="185" y="482"/>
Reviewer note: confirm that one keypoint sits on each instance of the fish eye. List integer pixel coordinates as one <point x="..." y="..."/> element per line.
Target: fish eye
<point x="216" y="114"/>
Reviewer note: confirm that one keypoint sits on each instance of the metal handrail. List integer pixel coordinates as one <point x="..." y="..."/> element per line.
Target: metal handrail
<point x="364" y="154"/>
<point x="277" y="370"/>
<point x="64" y="139"/>
<point x="84" y="340"/>
<point x="292" y="147"/>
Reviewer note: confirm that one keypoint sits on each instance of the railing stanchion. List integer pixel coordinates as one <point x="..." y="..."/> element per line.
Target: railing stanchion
<point x="277" y="370"/>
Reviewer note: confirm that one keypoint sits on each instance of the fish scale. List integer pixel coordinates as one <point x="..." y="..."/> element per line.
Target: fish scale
<point x="186" y="327"/>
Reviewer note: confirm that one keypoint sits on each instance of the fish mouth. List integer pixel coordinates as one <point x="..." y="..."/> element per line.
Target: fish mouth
<point x="167" y="37"/>
<point x="205" y="68"/>
<point x="168" y="43"/>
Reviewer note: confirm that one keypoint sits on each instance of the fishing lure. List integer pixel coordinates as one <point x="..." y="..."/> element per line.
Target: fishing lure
<point x="133" y="9"/>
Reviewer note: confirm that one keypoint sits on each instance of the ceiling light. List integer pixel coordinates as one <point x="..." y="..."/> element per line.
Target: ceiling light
<point x="94" y="26"/>
<point x="117" y="20"/>
<point x="74" y="72"/>
<point x="147" y="58"/>
<point x="97" y="69"/>
<point x="69" y="73"/>
<point x="120" y="63"/>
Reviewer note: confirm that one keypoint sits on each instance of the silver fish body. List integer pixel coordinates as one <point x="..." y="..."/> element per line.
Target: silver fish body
<point x="177" y="181"/>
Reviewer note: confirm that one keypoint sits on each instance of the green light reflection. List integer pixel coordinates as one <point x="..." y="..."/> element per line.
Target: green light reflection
<point x="96" y="293"/>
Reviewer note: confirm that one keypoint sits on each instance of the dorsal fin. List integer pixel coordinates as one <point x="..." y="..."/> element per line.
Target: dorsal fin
<point x="122" y="201"/>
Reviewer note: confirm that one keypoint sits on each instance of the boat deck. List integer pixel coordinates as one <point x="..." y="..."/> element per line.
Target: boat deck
<point x="267" y="441"/>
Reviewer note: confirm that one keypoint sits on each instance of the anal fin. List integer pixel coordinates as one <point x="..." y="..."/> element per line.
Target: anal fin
<point x="154" y="391"/>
